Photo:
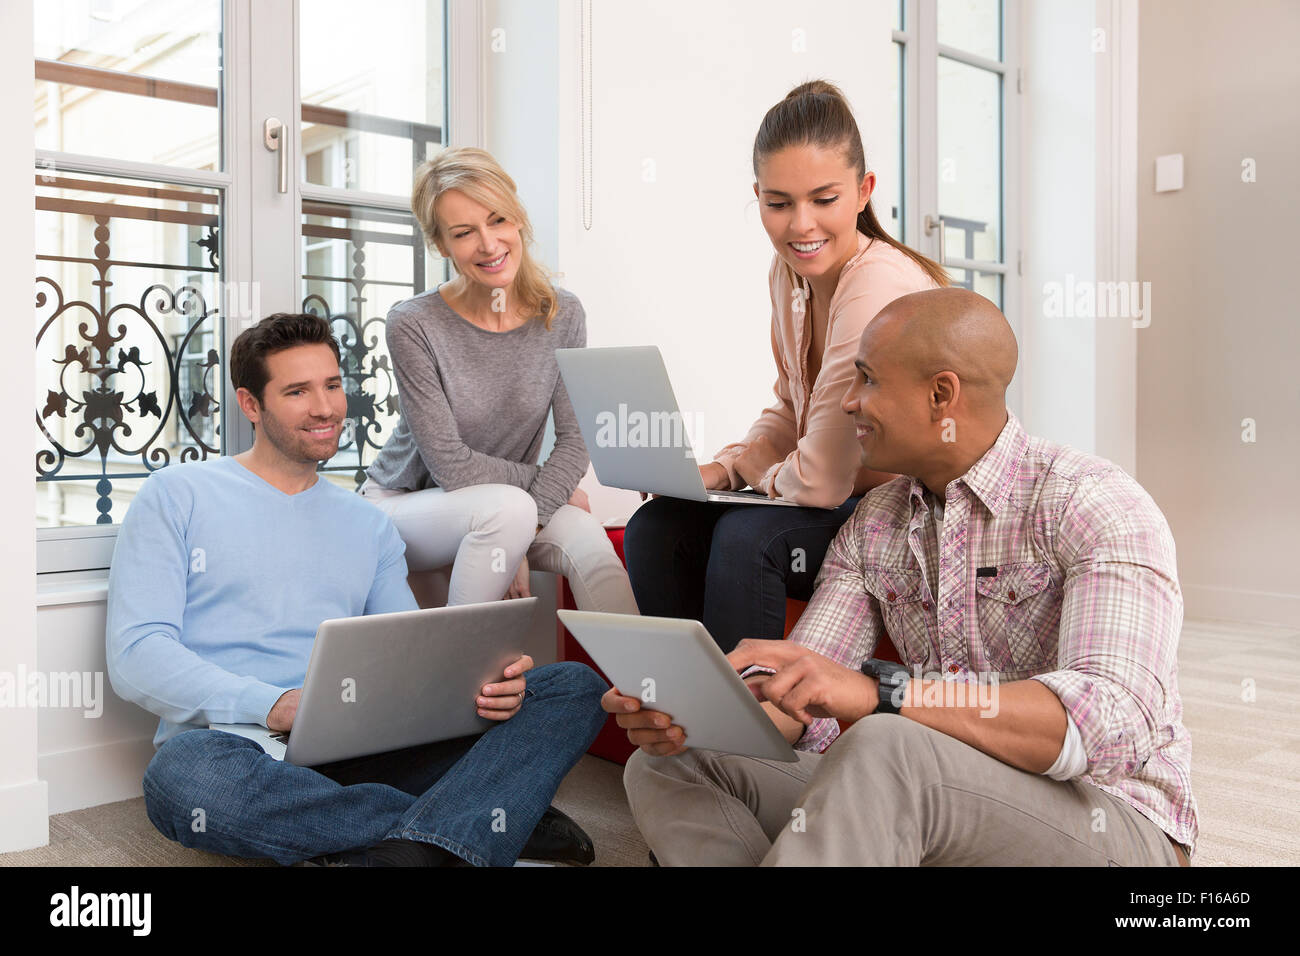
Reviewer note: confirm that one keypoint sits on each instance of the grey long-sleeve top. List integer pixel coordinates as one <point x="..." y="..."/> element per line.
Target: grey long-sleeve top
<point x="474" y="403"/>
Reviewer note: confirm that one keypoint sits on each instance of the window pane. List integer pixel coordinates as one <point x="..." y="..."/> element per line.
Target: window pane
<point x="372" y="95"/>
<point x="357" y="264"/>
<point x="987" y="284"/>
<point x="128" y="339"/>
<point x="130" y="79"/>
<point x="972" y="25"/>
<point x="970" y="160"/>
<point x="898" y="15"/>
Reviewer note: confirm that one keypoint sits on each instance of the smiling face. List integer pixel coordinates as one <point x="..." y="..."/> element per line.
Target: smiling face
<point x="303" y="404"/>
<point x="890" y="404"/>
<point x="482" y="244"/>
<point x="809" y="198"/>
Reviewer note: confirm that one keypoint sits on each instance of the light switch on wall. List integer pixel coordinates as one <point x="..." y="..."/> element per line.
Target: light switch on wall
<point x="1169" y="172"/>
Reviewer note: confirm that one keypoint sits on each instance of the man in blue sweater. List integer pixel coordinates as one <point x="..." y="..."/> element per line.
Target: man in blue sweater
<point x="222" y="573"/>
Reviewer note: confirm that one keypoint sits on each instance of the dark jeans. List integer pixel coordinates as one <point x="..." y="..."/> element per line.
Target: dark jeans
<point x="729" y="566"/>
<point x="479" y="797"/>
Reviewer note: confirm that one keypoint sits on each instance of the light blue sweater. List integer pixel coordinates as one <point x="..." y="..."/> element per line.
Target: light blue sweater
<point x="218" y="584"/>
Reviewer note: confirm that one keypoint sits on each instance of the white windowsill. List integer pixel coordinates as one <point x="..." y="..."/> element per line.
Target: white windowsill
<point x="73" y="587"/>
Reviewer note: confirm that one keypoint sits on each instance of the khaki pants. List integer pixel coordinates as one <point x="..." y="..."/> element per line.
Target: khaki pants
<point x="889" y="792"/>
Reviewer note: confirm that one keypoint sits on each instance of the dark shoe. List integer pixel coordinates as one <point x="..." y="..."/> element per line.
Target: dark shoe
<point x="343" y="858"/>
<point x="556" y="838"/>
<point x="390" y="853"/>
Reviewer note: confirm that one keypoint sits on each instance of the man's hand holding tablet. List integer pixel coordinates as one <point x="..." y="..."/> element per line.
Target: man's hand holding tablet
<point x="651" y="730"/>
<point x="794" y="684"/>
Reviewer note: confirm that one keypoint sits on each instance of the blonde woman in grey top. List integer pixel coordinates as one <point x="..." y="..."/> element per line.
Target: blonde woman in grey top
<point x="477" y="379"/>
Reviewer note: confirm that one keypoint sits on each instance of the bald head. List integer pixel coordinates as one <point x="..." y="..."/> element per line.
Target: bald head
<point x="947" y="330"/>
<point x="930" y="395"/>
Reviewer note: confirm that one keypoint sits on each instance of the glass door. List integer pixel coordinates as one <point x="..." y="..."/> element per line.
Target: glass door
<point x="362" y="132"/>
<point x="959" y="122"/>
<point x="190" y="179"/>
<point x="132" y="185"/>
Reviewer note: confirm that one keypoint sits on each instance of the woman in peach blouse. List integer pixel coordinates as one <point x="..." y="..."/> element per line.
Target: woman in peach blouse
<point x="732" y="566"/>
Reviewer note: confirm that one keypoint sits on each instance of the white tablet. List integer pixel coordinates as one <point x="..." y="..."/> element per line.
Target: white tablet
<point x="675" y="667"/>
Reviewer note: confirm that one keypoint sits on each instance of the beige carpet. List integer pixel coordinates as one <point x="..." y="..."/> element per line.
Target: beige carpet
<point x="119" y="834"/>
<point x="1245" y="753"/>
<point x="1245" y="771"/>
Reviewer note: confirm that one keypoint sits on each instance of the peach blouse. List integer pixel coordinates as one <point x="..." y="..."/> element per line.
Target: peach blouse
<point x="822" y="464"/>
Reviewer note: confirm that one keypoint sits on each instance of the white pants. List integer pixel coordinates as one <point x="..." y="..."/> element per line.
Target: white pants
<point x="484" y="531"/>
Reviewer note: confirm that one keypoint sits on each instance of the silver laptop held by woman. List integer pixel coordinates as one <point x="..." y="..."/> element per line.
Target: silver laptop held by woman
<point x="634" y="431"/>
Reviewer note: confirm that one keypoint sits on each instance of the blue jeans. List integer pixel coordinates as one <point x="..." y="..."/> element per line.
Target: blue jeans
<point x="478" y="797"/>
<point x="729" y="566"/>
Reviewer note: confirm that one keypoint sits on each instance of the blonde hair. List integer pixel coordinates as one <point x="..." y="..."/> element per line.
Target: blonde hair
<point x="479" y="176"/>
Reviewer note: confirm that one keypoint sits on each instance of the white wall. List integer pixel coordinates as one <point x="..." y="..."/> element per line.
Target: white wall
<point x="1058" y="359"/>
<point x="676" y="256"/>
<point x="1079" y="223"/>
<point x="1220" y="84"/>
<point x="681" y="262"/>
<point x="23" y="802"/>
<point x="1116" y="128"/>
<point x="86" y="759"/>
<point x="521" y="89"/>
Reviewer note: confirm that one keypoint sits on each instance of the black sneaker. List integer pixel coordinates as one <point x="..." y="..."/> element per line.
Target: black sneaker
<point x="558" y="839"/>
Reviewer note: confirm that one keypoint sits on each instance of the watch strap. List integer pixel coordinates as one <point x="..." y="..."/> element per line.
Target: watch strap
<point x="893" y="678"/>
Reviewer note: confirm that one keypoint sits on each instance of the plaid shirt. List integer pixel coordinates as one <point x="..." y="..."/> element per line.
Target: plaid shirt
<point x="1085" y="600"/>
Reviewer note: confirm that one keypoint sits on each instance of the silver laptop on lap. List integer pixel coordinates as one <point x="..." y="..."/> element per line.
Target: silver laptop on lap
<point x="635" y="433"/>
<point x="388" y="681"/>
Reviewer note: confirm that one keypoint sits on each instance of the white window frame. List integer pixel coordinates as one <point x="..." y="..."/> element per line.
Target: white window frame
<point x="261" y="235"/>
<point x="920" y="135"/>
<point x="90" y="547"/>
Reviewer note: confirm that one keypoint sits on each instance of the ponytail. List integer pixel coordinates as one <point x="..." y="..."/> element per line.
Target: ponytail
<point x="816" y="113"/>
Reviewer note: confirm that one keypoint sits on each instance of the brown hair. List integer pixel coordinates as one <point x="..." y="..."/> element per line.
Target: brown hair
<point x="275" y="333"/>
<point x="479" y="176"/>
<point x="817" y="114"/>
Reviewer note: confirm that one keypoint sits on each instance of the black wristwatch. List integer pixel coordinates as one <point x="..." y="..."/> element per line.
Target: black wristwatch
<point x="893" y="679"/>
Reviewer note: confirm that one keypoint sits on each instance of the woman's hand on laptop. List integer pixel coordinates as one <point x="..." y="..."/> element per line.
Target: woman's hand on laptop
<point x="651" y="730"/>
<point x="715" y="477"/>
<point x="759" y="455"/>
<point x="280" y="719"/>
<point x="502" y="700"/>
<point x="806" y="685"/>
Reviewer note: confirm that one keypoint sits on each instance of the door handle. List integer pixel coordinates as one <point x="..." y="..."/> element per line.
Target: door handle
<point x="273" y="134"/>
<point x="931" y="224"/>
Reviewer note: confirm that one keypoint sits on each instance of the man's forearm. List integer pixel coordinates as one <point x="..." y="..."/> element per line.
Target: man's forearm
<point x="1021" y="723"/>
<point x="170" y="680"/>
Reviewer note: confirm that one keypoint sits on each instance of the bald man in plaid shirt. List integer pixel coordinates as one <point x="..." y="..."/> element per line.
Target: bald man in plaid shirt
<point x="1032" y="591"/>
